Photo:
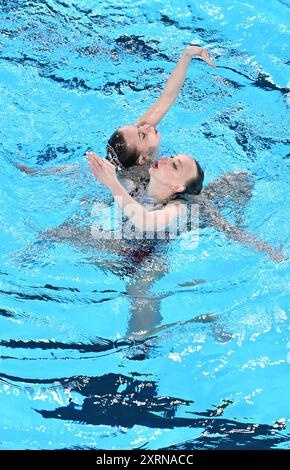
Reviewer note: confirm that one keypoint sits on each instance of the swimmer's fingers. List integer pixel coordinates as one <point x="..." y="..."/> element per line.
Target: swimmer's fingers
<point x="109" y="164"/>
<point x="101" y="161"/>
<point x="93" y="168"/>
<point x="104" y="165"/>
<point x="96" y="169"/>
<point x="104" y="173"/>
<point x="108" y="168"/>
<point x="92" y="155"/>
<point x="94" y="160"/>
<point x="95" y="165"/>
<point x="205" y="56"/>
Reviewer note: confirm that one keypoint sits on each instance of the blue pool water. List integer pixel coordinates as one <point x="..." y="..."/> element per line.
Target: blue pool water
<point x="71" y="72"/>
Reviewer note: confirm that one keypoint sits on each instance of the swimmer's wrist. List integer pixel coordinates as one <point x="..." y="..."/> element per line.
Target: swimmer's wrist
<point x="186" y="57"/>
<point x="114" y="185"/>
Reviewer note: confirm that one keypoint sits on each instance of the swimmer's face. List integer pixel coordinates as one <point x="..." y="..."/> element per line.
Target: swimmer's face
<point x="174" y="172"/>
<point x="145" y="139"/>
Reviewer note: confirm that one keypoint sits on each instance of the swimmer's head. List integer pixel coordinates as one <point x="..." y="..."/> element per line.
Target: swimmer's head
<point x="133" y="145"/>
<point x="180" y="173"/>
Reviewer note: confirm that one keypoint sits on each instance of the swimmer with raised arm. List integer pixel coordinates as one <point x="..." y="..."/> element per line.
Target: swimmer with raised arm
<point x="138" y="143"/>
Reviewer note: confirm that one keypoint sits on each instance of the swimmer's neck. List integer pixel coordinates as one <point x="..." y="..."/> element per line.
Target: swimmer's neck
<point x="158" y="191"/>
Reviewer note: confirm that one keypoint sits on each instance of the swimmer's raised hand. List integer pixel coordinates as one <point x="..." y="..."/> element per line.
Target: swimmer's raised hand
<point x="102" y="169"/>
<point x="202" y="52"/>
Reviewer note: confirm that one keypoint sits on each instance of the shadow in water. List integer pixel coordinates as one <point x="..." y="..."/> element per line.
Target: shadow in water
<point x="119" y="400"/>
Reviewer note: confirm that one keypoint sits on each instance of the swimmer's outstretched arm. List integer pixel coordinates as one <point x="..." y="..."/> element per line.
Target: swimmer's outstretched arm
<point x="54" y="170"/>
<point x="171" y="91"/>
<point x="215" y="219"/>
<point x="138" y="214"/>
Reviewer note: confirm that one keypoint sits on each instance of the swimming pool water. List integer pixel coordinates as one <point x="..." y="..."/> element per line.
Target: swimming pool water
<point x="71" y="72"/>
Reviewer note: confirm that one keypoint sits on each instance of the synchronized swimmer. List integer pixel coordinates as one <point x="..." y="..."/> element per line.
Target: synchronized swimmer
<point x="169" y="179"/>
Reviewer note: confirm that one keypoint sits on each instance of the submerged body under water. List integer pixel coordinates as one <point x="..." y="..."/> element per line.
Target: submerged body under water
<point x="209" y="367"/>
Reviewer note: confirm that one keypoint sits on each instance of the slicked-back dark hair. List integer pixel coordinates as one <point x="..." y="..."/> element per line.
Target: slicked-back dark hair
<point x="127" y="157"/>
<point x="194" y="186"/>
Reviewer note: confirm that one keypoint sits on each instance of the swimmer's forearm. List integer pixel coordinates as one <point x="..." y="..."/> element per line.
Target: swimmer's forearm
<point x="176" y="79"/>
<point x="139" y="216"/>
<point x="57" y="169"/>
<point x="44" y="171"/>
<point x="217" y="221"/>
<point x="251" y="240"/>
<point x="171" y="91"/>
<point x="175" y="82"/>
